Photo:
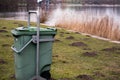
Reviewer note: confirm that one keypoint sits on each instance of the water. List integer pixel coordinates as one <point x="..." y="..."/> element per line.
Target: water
<point x="111" y="11"/>
<point x="86" y="13"/>
<point x="101" y="21"/>
<point x="99" y="10"/>
<point x="21" y="15"/>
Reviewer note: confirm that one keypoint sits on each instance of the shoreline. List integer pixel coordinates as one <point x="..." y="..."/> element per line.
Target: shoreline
<point x="93" y="5"/>
<point x="93" y="36"/>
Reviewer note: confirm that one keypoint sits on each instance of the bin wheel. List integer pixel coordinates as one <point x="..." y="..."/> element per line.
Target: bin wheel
<point x="46" y="75"/>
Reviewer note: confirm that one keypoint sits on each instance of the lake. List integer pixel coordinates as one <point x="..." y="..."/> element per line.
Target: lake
<point x="96" y="10"/>
<point x="112" y="11"/>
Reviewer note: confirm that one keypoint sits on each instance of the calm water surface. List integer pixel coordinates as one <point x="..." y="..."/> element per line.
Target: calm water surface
<point x="112" y="11"/>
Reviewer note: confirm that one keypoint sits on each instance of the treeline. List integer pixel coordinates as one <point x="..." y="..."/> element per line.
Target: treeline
<point x="102" y="1"/>
<point x="14" y="5"/>
<point x="6" y="5"/>
<point x="93" y="1"/>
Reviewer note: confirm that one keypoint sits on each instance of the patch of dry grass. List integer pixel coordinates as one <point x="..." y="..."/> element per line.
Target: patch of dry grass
<point x="103" y="26"/>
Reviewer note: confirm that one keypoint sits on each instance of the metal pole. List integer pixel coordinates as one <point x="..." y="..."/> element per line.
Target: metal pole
<point x="38" y="77"/>
<point x="47" y="4"/>
<point x="38" y="36"/>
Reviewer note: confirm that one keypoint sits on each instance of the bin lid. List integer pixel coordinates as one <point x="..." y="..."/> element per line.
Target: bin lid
<point x="33" y="31"/>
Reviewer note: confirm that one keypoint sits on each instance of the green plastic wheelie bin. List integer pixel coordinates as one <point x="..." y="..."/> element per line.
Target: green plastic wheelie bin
<point x="25" y="51"/>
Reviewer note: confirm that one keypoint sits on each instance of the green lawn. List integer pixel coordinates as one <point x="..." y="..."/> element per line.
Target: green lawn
<point x="75" y="56"/>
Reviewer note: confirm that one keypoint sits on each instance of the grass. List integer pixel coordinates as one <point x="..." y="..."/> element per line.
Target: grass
<point x="96" y="60"/>
<point x="71" y="62"/>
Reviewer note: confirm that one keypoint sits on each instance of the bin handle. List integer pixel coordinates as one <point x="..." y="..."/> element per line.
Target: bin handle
<point x="18" y="51"/>
<point x="31" y="11"/>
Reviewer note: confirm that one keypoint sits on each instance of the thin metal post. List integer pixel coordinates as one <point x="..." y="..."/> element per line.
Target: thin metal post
<point x="47" y="5"/>
<point x="38" y="37"/>
<point x="37" y="77"/>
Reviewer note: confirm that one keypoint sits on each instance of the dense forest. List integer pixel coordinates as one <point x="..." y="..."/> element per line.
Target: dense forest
<point x="14" y="5"/>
